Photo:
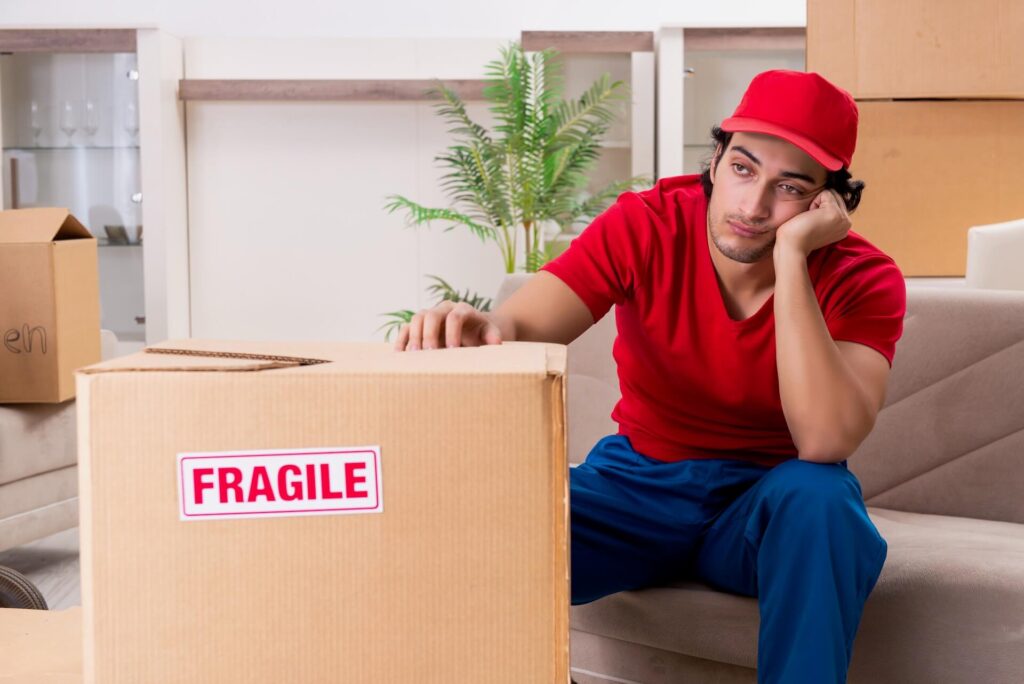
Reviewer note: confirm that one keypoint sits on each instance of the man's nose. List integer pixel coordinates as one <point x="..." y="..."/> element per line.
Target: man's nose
<point x="756" y="204"/>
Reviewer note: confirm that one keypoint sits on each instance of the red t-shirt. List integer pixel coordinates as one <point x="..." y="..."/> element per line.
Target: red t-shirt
<point x="694" y="382"/>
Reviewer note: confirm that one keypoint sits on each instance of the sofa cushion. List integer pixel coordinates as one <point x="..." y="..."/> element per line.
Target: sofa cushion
<point x="36" y="438"/>
<point x="39" y="490"/>
<point x="951" y="590"/>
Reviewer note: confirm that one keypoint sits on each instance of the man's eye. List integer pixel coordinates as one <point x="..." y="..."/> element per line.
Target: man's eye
<point x="792" y="190"/>
<point x="739" y="168"/>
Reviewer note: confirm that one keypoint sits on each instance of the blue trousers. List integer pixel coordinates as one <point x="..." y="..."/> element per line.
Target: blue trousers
<point x="796" y="536"/>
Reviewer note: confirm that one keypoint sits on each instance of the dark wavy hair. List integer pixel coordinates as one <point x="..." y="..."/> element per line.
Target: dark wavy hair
<point x="841" y="181"/>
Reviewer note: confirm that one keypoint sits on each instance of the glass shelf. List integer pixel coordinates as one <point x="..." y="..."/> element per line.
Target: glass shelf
<point x="94" y="172"/>
<point x="71" y="147"/>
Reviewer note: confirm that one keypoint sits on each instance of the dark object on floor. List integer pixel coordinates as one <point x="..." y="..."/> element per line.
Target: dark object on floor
<point x="17" y="591"/>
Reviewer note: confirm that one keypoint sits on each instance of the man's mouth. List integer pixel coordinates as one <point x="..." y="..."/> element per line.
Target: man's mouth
<point x="745" y="230"/>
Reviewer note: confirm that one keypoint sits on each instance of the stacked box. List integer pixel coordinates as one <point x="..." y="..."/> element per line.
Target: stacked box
<point x="941" y="96"/>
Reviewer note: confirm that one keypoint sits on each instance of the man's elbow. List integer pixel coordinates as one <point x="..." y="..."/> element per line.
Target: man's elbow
<point x="825" y="453"/>
<point x="831" y="446"/>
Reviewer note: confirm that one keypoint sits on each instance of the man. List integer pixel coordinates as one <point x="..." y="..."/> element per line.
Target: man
<point x="755" y="338"/>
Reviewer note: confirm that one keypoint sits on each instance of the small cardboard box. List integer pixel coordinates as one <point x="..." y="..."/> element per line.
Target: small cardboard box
<point x="918" y="48"/>
<point x="304" y="512"/>
<point x="932" y="170"/>
<point x="49" y="304"/>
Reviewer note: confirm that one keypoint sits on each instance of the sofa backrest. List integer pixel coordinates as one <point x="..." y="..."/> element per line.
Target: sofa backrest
<point x="950" y="439"/>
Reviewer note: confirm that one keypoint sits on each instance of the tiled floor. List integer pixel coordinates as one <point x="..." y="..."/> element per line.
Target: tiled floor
<point x="51" y="564"/>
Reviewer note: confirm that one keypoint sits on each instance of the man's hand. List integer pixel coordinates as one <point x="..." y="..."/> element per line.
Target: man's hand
<point x="825" y="221"/>
<point x="449" y="325"/>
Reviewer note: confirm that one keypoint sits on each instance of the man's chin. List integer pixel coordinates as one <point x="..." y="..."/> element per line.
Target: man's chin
<point x="744" y="255"/>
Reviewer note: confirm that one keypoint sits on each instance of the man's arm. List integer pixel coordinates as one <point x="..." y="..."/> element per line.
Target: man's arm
<point x="831" y="391"/>
<point x="544" y="309"/>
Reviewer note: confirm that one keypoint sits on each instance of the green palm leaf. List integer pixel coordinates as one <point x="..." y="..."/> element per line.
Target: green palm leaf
<point x="418" y="214"/>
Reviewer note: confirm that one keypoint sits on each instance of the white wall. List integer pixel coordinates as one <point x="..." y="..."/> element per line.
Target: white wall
<point x="273" y="18"/>
<point x="288" y="237"/>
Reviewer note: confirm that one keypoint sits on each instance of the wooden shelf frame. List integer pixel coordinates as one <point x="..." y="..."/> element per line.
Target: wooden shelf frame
<point x="588" y="41"/>
<point x="324" y="90"/>
<point x="770" y="38"/>
<point x="67" y="40"/>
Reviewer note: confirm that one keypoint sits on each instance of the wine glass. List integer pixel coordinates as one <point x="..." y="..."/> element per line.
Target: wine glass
<point x="91" y="119"/>
<point x="131" y="118"/>
<point x="36" y="121"/>
<point x="68" y="123"/>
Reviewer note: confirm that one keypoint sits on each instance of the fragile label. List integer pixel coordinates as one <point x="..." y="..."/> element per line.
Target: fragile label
<point x="242" y="484"/>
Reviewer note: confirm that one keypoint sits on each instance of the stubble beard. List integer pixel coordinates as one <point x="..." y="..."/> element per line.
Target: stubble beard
<point x="748" y="255"/>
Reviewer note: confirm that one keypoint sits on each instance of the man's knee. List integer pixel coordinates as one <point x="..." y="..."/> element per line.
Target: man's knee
<point x="809" y="486"/>
<point x="822" y="500"/>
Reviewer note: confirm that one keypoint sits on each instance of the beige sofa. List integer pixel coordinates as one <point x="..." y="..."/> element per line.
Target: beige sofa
<point x="38" y="467"/>
<point x="943" y="476"/>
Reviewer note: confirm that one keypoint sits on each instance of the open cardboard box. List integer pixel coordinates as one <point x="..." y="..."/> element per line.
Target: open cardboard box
<point x="440" y="556"/>
<point x="49" y="304"/>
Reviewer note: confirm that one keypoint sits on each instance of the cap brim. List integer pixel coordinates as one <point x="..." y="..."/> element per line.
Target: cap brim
<point x="740" y="124"/>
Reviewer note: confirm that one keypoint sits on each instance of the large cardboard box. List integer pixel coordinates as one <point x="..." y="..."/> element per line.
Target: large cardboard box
<point x="918" y="48"/>
<point x="933" y="170"/>
<point x="49" y="304"/>
<point x="450" y="563"/>
<point x="41" y="646"/>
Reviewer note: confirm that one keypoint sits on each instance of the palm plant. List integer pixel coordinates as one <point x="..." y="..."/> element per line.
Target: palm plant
<point x="530" y="172"/>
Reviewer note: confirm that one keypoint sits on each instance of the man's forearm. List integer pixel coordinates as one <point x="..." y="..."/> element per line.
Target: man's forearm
<point x="826" y="409"/>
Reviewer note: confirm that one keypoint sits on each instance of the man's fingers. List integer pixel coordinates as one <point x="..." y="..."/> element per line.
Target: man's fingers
<point x="415" y="331"/>
<point x="455" y="324"/>
<point x="403" y="337"/>
<point x="490" y="334"/>
<point x="841" y="203"/>
<point x="432" y="321"/>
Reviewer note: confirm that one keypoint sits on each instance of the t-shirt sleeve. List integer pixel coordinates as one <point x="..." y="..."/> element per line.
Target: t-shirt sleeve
<point x="871" y="306"/>
<point x="605" y="263"/>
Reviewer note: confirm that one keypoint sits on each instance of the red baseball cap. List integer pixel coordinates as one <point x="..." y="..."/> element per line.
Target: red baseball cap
<point x="801" y="108"/>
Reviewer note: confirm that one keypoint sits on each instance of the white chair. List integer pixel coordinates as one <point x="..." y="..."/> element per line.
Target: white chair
<point x="994" y="256"/>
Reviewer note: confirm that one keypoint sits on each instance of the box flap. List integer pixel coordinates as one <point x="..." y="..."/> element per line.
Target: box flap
<point x="339" y="357"/>
<point x="183" y="362"/>
<point x="39" y="224"/>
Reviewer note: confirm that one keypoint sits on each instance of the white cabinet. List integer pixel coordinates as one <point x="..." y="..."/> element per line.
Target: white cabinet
<point x="80" y="129"/>
<point x="628" y="56"/>
<point x="703" y="73"/>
